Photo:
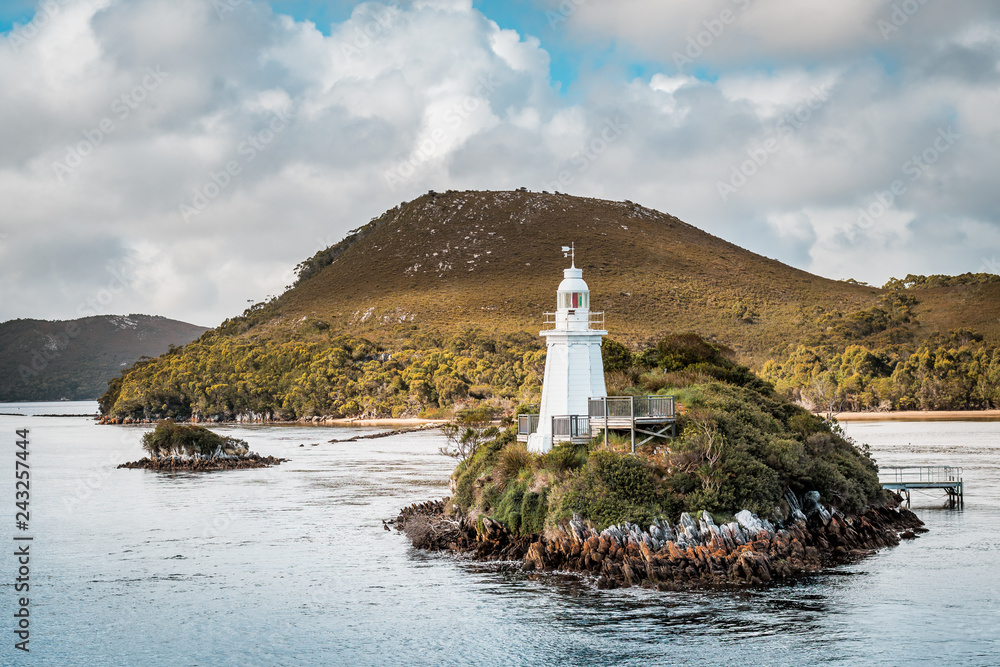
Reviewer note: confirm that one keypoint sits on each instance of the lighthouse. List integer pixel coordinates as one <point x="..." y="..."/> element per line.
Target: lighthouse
<point x="574" y="370"/>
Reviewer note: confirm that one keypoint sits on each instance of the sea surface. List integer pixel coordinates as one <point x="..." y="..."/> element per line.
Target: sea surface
<point x="291" y="566"/>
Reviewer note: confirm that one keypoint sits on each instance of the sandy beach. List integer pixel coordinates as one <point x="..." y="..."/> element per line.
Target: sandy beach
<point x="920" y="415"/>
<point x="398" y="423"/>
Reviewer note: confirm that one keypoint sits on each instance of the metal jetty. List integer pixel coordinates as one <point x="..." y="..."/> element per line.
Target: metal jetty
<point x="907" y="478"/>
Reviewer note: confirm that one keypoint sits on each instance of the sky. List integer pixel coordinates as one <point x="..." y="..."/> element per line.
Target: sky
<point x="180" y="157"/>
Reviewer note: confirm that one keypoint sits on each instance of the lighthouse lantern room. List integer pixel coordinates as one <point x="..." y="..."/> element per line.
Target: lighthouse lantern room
<point x="574" y="370"/>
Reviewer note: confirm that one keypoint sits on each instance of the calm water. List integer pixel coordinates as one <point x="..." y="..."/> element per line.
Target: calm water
<point x="291" y="566"/>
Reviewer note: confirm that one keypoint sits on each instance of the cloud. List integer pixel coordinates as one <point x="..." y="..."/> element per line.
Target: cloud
<point x="207" y="152"/>
<point x="729" y="32"/>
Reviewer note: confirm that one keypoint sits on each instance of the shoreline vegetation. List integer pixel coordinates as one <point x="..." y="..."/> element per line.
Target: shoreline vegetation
<point x="175" y="447"/>
<point x="752" y="489"/>
<point x="428" y="376"/>
<point x="416" y="422"/>
<point x="419" y="423"/>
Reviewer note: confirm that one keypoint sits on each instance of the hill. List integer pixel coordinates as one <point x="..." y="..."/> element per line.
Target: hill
<point x="44" y="360"/>
<point x="491" y="259"/>
<point x="404" y="291"/>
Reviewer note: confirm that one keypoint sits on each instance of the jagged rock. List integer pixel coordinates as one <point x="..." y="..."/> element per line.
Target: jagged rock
<point x="203" y="463"/>
<point x="750" y="523"/>
<point x="749" y="551"/>
<point x="794" y="506"/>
<point x="812" y="507"/>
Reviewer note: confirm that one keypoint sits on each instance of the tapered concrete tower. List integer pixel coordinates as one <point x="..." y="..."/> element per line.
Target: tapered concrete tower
<point x="574" y="370"/>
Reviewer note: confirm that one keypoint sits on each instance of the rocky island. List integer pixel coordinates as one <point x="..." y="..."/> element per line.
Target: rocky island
<point x="175" y="447"/>
<point x="752" y="489"/>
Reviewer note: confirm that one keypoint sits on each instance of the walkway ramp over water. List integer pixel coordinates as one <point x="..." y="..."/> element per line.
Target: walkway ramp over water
<point x="905" y="479"/>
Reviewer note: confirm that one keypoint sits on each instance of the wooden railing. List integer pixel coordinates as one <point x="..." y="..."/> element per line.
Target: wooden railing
<point x="570" y="427"/>
<point x="527" y="424"/>
<point x="633" y="407"/>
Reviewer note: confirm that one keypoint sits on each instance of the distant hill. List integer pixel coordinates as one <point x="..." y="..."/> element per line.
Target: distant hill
<point x="492" y="259"/>
<point x="418" y="276"/>
<point x="44" y="360"/>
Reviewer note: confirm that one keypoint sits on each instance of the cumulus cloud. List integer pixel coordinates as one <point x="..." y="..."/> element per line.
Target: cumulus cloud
<point x="200" y="149"/>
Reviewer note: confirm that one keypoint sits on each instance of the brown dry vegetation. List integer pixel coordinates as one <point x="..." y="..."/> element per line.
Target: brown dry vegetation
<point x="447" y="260"/>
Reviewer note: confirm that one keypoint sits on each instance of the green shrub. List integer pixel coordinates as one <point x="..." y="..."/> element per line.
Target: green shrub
<point x="512" y="460"/>
<point x="616" y="356"/>
<point x="563" y="457"/>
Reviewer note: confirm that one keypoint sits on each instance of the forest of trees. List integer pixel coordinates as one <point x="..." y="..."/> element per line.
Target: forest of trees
<point x="342" y="376"/>
<point x="335" y="376"/>
<point x="869" y="360"/>
<point x="956" y="372"/>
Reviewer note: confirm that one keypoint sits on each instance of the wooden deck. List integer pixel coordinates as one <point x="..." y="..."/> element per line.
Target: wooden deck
<point x="648" y="416"/>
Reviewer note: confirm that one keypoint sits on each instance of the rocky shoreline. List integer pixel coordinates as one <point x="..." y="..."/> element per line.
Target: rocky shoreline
<point x="178" y="464"/>
<point x="748" y="551"/>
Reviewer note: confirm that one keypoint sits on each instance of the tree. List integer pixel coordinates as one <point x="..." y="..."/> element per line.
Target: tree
<point x="470" y="429"/>
<point x="825" y="391"/>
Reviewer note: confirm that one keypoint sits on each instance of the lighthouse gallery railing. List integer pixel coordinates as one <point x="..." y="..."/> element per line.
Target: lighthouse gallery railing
<point x="596" y="321"/>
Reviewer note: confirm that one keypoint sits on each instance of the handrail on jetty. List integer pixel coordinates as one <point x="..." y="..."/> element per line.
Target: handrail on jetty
<point x="908" y="478"/>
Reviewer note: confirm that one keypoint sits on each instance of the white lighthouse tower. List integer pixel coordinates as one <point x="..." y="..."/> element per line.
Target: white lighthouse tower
<point x="574" y="370"/>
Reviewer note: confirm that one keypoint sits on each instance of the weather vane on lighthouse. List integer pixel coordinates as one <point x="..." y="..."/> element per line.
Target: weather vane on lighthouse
<point x="570" y="251"/>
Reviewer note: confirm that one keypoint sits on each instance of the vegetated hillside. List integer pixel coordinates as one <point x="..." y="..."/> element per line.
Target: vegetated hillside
<point x="44" y="360"/>
<point x="440" y="299"/>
